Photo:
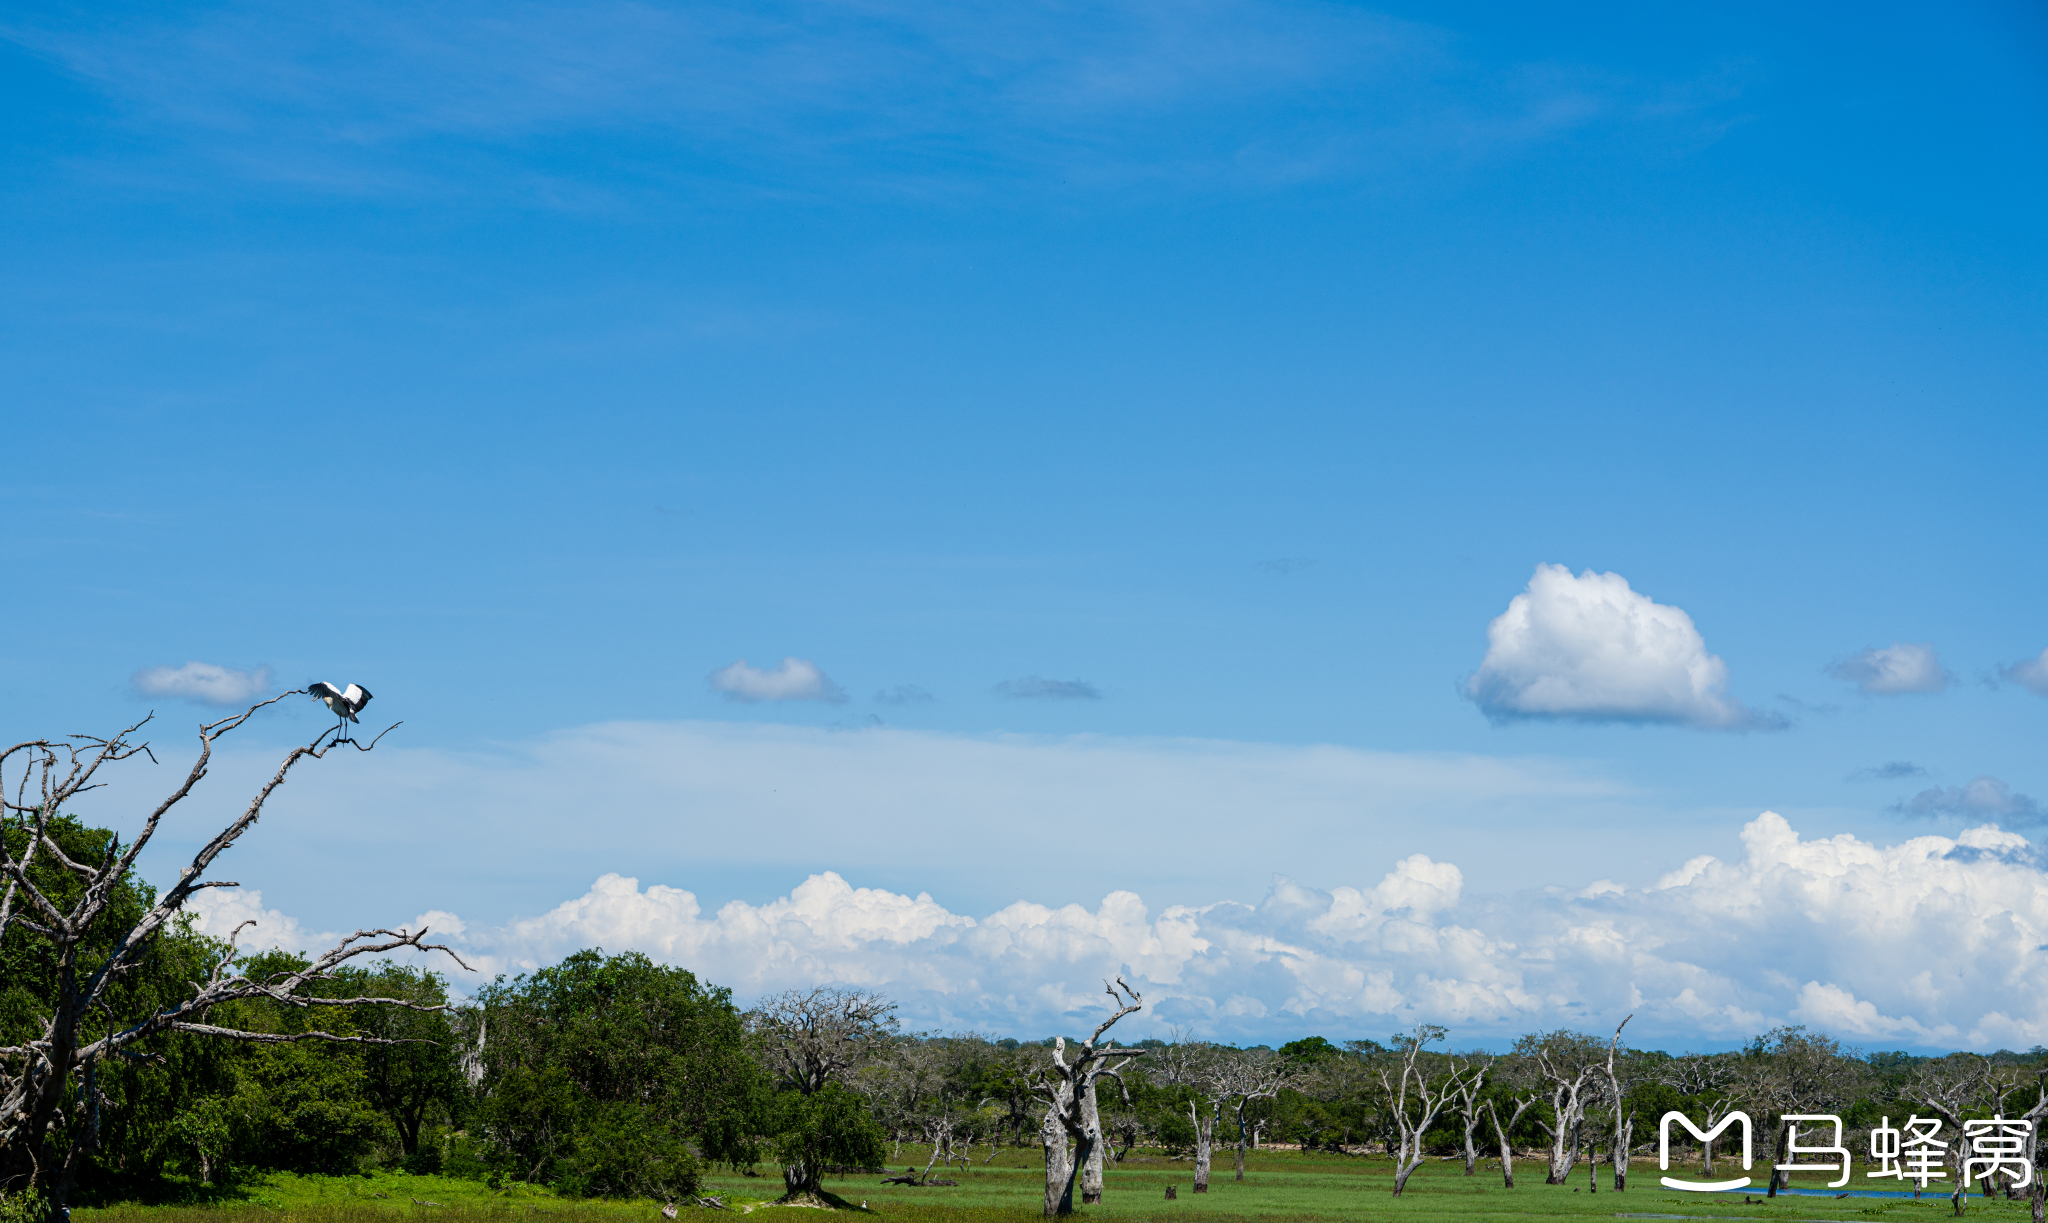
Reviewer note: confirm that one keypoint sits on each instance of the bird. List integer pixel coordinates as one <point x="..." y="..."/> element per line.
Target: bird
<point x="345" y="702"/>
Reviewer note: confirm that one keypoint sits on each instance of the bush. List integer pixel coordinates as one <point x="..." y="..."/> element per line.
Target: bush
<point x="624" y="1150"/>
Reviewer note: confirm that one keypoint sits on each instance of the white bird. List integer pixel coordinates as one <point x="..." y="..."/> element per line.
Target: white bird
<point x="345" y="702"/>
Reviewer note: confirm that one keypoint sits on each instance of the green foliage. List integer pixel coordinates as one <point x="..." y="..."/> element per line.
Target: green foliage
<point x="24" y="1206"/>
<point x="1311" y="1050"/>
<point x="614" y="1075"/>
<point x="829" y="1126"/>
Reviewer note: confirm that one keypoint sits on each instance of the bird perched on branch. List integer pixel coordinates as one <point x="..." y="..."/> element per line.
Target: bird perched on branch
<point x="345" y="702"/>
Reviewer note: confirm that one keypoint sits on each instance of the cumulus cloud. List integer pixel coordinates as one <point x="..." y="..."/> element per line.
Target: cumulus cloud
<point x="797" y="679"/>
<point x="2029" y="673"/>
<point x="1982" y="798"/>
<point x="1032" y="688"/>
<point x="1929" y="942"/>
<point x="203" y="683"/>
<point x="1893" y="671"/>
<point x="1590" y="649"/>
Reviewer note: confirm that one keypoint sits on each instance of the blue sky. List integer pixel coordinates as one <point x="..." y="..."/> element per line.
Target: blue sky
<point x="1234" y="363"/>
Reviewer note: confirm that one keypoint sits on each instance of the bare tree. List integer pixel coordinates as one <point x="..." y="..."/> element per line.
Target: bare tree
<point x="1710" y="1084"/>
<point x="1790" y="1071"/>
<point x="1239" y="1076"/>
<point x="1624" y="1121"/>
<point x="2037" y="1115"/>
<point x="1414" y="1083"/>
<point x="1470" y="1106"/>
<point x="1068" y="1089"/>
<point x="812" y="1037"/>
<point x="1568" y="1062"/>
<point x="1190" y="1065"/>
<point x="37" y="1077"/>
<point x="1952" y="1088"/>
<point x="1523" y="1100"/>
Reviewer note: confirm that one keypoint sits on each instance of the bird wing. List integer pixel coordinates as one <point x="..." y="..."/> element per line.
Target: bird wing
<point x="357" y="696"/>
<point x="324" y="691"/>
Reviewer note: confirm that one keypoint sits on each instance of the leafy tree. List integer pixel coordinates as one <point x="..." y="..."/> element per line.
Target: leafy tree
<point x="831" y="1125"/>
<point x="616" y="1075"/>
<point x="420" y="1078"/>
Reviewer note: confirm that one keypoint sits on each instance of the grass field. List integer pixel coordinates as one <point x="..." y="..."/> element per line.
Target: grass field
<point x="1280" y="1187"/>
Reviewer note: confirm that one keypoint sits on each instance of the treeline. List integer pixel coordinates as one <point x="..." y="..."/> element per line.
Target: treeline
<point x="616" y="1076"/>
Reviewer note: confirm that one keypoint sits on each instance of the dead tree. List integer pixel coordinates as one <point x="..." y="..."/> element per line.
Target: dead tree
<point x="1190" y="1065"/>
<point x="49" y="1086"/>
<point x="1710" y="1082"/>
<point x="1469" y="1106"/>
<point x="1068" y="1089"/>
<point x="812" y="1037"/>
<point x="1954" y="1088"/>
<point x="2037" y="1115"/>
<point x="1523" y="1103"/>
<point x="1429" y="1098"/>
<point x="1567" y="1061"/>
<point x="1237" y="1078"/>
<point x="1789" y="1071"/>
<point x="1624" y="1121"/>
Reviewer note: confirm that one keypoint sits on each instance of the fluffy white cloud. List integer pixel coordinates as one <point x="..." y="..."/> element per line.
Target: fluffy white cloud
<point x="797" y="679"/>
<point x="2029" y="673"/>
<point x="1893" y="670"/>
<point x="203" y="683"/>
<point x="1983" y="798"/>
<point x="1934" y="941"/>
<point x="1589" y="648"/>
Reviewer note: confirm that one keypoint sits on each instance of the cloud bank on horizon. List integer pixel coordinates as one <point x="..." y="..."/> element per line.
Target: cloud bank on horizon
<point x="1932" y="942"/>
<point x="1591" y="649"/>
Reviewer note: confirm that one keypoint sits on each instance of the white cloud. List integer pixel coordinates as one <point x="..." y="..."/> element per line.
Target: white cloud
<point x="797" y="679"/>
<point x="1981" y="798"/>
<point x="203" y="683"/>
<point x="1590" y="649"/>
<point x="1893" y="670"/>
<point x="1934" y="941"/>
<point x="2029" y="673"/>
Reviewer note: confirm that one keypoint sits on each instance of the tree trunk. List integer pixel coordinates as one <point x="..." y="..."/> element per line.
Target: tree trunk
<point x="1205" y="1130"/>
<point x="1091" y="1166"/>
<point x="1471" y="1149"/>
<point x="1624" y="1130"/>
<point x="1059" y="1181"/>
<point x="1240" y="1137"/>
<point x="1784" y="1137"/>
<point x="1404" y="1170"/>
<point x="1507" y="1153"/>
<point x="1561" y="1155"/>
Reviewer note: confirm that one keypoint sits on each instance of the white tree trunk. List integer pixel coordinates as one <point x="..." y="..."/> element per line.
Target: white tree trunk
<point x="1205" y="1132"/>
<point x="1059" y="1181"/>
<point x="1091" y="1164"/>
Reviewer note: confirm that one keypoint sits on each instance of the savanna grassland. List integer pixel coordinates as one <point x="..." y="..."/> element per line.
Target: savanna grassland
<point x="1280" y="1187"/>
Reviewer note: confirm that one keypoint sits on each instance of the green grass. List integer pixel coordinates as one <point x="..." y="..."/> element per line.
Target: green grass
<point x="1280" y="1187"/>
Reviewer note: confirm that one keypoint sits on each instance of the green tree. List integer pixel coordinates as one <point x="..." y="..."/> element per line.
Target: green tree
<point x="616" y="1075"/>
<point x="828" y="1126"/>
<point x="419" y="1076"/>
